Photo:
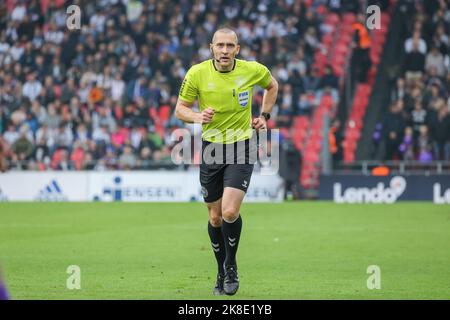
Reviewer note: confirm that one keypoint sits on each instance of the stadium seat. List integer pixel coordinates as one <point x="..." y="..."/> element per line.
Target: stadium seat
<point x="56" y="159"/>
<point x="153" y="114"/>
<point x="301" y="121"/>
<point x="77" y="157"/>
<point x="348" y="18"/>
<point x="164" y="113"/>
<point x="332" y="18"/>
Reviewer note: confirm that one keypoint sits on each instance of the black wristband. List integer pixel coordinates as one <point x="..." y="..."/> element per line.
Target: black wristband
<point x="266" y="115"/>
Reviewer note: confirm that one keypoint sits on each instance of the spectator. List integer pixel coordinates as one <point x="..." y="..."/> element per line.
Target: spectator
<point x="63" y="137"/>
<point x="328" y="80"/>
<point x="414" y="63"/>
<point x="399" y="91"/>
<point x="304" y="105"/>
<point x="416" y="43"/>
<point x="287" y="95"/>
<point x="32" y="88"/>
<point x="101" y="135"/>
<point x="53" y="118"/>
<point x="418" y="118"/>
<point x="41" y="153"/>
<point x="441" y="135"/>
<point x="393" y="126"/>
<point x="361" y="48"/>
<point x="68" y="91"/>
<point x="117" y="88"/>
<point x="19" y="12"/>
<point x="102" y="116"/>
<point x="82" y="134"/>
<point x="441" y="38"/>
<point x="297" y="63"/>
<point x="22" y="147"/>
<point x="435" y="59"/>
<point x="407" y="146"/>
<point x="11" y="135"/>
<point x="284" y="118"/>
<point x="312" y="80"/>
<point x="424" y="145"/>
<point x="290" y="164"/>
<point x="127" y="160"/>
<point x="64" y="163"/>
<point x="335" y="141"/>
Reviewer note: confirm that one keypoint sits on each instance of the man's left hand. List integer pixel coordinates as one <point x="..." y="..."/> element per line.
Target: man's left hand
<point x="259" y="123"/>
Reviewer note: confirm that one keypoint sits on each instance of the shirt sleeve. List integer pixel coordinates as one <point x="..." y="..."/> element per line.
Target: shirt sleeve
<point x="189" y="87"/>
<point x="263" y="76"/>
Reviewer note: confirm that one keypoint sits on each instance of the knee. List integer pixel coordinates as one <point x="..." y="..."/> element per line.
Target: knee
<point x="230" y="214"/>
<point x="215" y="217"/>
<point x="215" y="221"/>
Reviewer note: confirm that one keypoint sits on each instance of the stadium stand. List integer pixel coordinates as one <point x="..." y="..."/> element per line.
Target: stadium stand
<point x="409" y="118"/>
<point x="103" y="97"/>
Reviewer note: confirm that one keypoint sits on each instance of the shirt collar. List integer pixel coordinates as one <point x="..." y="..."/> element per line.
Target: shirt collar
<point x="214" y="65"/>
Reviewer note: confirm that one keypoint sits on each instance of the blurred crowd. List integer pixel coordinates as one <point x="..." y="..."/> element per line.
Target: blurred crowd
<point x="102" y="97"/>
<point x="417" y="126"/>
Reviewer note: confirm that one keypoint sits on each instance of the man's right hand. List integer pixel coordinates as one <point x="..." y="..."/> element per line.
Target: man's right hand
<point x="206" y="115"/>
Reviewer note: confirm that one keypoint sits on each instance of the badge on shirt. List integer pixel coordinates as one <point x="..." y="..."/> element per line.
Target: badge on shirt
<point x="243" y="98"/>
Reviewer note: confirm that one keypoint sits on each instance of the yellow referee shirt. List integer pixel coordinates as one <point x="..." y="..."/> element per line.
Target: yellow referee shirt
<point x="229" y="94"/>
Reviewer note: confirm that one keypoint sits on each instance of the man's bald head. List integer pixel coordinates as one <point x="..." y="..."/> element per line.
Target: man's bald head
<point x="224" y="48"/>
<point x="225" y="31"/>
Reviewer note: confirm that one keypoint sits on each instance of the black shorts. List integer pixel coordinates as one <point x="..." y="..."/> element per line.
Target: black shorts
<point x="214" y="177"/>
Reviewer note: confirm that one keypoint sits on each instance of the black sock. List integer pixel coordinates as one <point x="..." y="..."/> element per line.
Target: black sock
<point x="231" y="233"/>
<point x="218" y="246"/>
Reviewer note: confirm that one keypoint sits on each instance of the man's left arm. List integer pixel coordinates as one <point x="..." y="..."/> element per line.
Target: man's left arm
<point x="269" y="99"/>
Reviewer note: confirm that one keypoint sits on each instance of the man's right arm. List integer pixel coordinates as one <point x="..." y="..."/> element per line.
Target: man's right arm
<point x="186" y="98"/>
<point x="184" y="112"/>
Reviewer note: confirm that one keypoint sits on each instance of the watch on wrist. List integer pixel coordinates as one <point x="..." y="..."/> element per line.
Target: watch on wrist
<point x="266" y="115"/>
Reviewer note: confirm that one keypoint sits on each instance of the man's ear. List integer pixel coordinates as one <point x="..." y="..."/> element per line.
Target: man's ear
<point x="238" y="47"/>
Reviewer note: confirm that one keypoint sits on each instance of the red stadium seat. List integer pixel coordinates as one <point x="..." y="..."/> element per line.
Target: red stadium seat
<point x="153" y="114"/>
<point x="164" y="113"/>
<point x="301" y="122"/>
<point x="332" y="18"/>
<point x="57" y="90"/>
<point x="311" y="156"/>
<point x="56" y="159"/>
<point x="77" y="157"/>
<point x="327" y="38"/>
<point x="348" y="18"/>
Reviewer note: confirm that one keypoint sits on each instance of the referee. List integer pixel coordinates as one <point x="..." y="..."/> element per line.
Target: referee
<point x="223" y="87"/>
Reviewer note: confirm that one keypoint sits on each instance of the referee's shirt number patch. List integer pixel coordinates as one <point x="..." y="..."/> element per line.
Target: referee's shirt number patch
<point x="243" y="98"/>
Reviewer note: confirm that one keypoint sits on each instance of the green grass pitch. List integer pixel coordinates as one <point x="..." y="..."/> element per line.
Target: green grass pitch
<point x="294" y="250"/>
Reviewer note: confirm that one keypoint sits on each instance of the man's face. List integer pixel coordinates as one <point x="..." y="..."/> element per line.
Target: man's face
<point x="225" y="48"/>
